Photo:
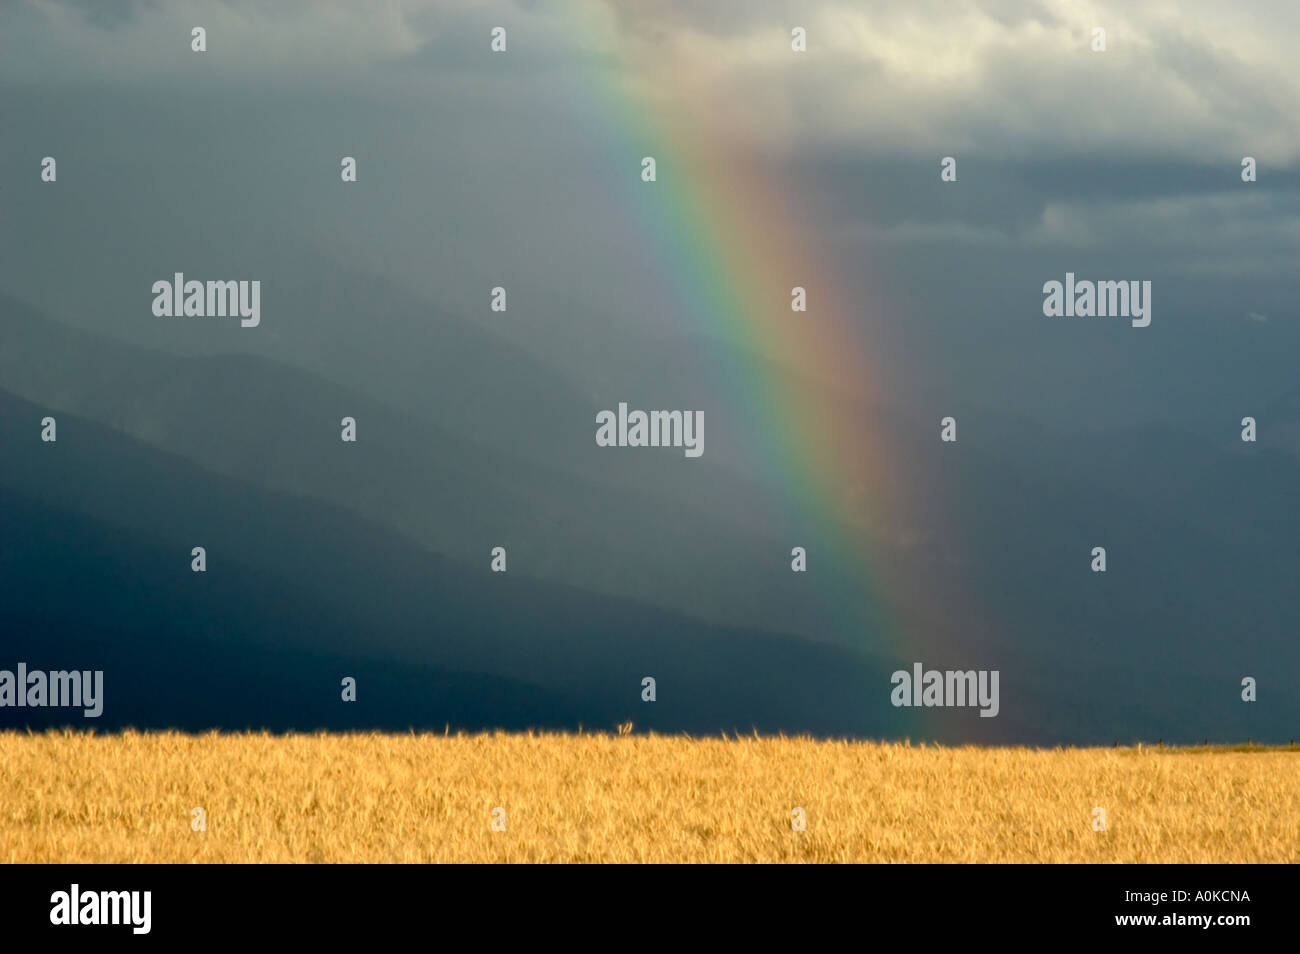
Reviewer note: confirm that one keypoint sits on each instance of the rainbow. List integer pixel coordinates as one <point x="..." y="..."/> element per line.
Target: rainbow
<point x="737" y="243"/>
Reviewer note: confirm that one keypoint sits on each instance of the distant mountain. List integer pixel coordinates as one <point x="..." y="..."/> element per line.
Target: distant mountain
<point x="974" y="555"/>
<point x="95" y="552"/>
<point x="278" y="427"/>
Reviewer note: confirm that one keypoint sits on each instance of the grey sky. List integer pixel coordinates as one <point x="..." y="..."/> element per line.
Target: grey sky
<point x="478" y="170"/>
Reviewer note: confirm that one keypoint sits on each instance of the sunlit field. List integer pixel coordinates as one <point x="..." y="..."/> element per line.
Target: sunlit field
<point x="72" y="797"/>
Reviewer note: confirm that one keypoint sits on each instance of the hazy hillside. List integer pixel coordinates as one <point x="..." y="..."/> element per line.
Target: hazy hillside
<point x="96" y="554"/>
<point x="973" y="555"/>
<point x="278" y="427"/>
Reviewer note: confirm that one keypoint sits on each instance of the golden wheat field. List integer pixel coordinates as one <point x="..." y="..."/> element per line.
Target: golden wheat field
<point x="73" y="797"/>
